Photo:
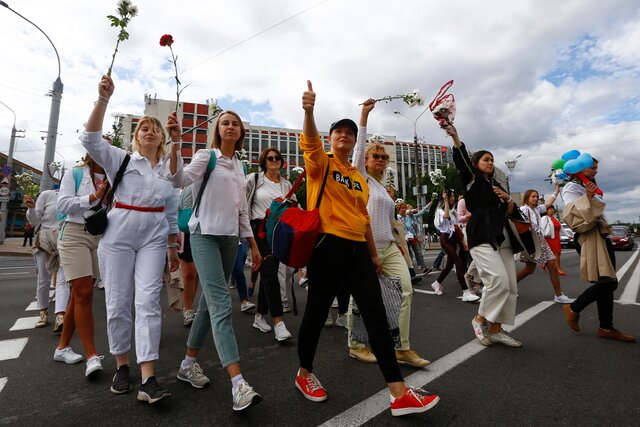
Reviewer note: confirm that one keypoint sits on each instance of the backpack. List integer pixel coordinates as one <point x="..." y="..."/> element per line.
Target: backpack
<point x="78" y="172"/>
<point x="186" y="206"/>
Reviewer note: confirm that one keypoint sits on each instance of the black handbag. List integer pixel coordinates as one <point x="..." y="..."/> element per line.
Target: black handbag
<point x="95" y="219"/>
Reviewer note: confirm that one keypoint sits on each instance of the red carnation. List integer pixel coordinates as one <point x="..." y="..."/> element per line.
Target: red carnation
<point x="166" y="40"/>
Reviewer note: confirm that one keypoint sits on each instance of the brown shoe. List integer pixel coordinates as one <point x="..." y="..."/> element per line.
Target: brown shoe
<point x="44" y="319"/>
<point x="363" y="355"/>
<point x="572" y="318"/>
<point x="614" y="334"/>
<point x="410" y="357"/>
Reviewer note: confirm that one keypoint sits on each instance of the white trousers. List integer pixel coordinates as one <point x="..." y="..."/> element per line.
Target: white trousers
<point x="497" y="271"/>
<point x="44" y="283"/>
<point x="133" y="277"/>
<point x="285" y="277"/>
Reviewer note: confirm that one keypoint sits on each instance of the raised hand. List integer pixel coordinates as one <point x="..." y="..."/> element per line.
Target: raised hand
<point x="368" y="105"/>
<point x="106" y="87"/>
<point x="309" y="98"/>
<point x="173" y="127"/>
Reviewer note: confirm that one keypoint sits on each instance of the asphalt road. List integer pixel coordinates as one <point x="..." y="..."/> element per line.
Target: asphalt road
<point x="557" y="378"/>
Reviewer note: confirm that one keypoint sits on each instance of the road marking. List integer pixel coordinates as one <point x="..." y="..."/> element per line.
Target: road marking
<point x="424" y="292"/>
<point x="630" y="293"/>
<point x="3" y="382"/>
<point x="32" y="307"/>
<point x="379" y="402"/>
<point x="25" y="323"/>
<point x="17" y="268"/>
<point x="11" y="349"/>
<point x="13" y="274"/>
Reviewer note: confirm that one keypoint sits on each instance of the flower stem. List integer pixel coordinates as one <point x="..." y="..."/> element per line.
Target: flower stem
<point x="113" y="58"/>
<point x="175" y="66"/>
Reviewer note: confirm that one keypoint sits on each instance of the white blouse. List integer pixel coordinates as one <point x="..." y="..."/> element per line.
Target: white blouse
<point x="75" y="204"/>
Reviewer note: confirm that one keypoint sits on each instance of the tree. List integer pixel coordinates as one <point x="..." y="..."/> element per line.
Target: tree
<point x="301" y="191"/>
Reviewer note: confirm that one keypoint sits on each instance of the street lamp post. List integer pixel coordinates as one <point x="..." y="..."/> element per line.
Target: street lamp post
<point x="5" y="205"/>
<point x="46" y="182"/>
<point x="511" y="165"/>
<point x="415" y="146"/>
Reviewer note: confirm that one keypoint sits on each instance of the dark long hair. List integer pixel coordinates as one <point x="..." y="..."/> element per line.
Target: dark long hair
<point x="475" y="158"/>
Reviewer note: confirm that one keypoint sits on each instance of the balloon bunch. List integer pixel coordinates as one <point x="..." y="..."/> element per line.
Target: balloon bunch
<point x="572" y="163"/>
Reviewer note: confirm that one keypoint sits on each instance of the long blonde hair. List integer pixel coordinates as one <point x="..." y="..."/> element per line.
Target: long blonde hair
<point x="157" y="126"/>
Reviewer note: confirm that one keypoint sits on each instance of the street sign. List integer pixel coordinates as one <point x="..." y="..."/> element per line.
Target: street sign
<point x="4" y="199"/>
<point x="6" y="170"/>
<point x="4" y="191"/>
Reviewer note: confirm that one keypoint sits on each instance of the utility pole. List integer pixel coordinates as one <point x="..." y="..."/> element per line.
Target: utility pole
<point x="5" y="186"/>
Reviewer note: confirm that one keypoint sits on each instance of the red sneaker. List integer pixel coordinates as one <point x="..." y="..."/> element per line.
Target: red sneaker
<point x="311" y="388"/>
<point x="414" y="401"/>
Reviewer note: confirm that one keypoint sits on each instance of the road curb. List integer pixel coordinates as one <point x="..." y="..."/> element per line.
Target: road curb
<point x="12" y="254"/>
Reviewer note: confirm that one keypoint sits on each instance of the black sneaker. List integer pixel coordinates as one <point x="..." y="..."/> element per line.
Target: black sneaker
<point x="151" y="391"/>
<point x="121" y="382"/>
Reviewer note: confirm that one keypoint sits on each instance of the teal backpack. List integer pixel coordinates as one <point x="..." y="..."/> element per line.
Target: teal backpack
<point x="77" y="178"/>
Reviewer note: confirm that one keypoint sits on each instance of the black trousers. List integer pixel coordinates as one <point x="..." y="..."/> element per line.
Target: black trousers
<point x="338" y="261"/>
<point x="601" y="292"/>
<point x="269" y="300"/>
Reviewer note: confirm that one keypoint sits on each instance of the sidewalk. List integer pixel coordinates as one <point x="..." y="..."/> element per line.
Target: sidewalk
<point x="12" y="246"/>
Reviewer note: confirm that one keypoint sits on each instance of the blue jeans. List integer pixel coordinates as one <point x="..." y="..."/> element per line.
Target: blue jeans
<point x="214" y="257"/>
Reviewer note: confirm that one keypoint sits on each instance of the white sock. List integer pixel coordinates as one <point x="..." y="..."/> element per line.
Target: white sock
<point x="188" y="361"/>
<point x="144" y="380"/>
<point x="235" y="382"/>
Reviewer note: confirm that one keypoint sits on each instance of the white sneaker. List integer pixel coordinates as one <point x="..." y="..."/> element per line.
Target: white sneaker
<point x="93" y="364"/>
<point x="335" y="303"/>
<point x="329" y="321"/>
<point x="563" y="299"/>
<point x="503" y="338"/>
<point x="187" y="317"/>
<point x="244" y="396"/>
<point x="246" y="306"/>
<point x="468" y="296"/>
<point x="281" y="331"/>
<point x="193" y="375"/>
<point x="260" y="323"/>
<point x="286" y="308"/>
<point x="437" y="287"/>
<point x="341" y="320"/>
<point x="67" y="356"/>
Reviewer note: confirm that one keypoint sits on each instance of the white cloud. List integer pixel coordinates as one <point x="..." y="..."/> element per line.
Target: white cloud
<point x="499" y="54"/>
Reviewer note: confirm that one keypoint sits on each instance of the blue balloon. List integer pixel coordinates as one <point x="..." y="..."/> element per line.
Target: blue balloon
<point x="573" y="166"/>
<point x="585" y="160"/>
<point x="570" y="155"/>
<point x="562" y="176"/>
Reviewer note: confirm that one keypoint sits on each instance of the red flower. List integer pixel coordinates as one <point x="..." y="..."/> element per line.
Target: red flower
<point x="166" y="40"/>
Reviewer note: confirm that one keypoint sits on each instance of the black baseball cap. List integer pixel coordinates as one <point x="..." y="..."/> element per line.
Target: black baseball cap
<point x="344" y="123"/>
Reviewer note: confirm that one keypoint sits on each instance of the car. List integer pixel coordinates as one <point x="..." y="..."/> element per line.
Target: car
<point x="622" y="238"/>
<point x="566" y="237"/>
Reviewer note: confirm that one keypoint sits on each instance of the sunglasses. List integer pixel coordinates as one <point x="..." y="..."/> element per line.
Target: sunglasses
<point x="274" y="158"/>
<point x="377" y="156"/>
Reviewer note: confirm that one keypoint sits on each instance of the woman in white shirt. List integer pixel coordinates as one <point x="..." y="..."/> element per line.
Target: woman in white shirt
<point x="143" y="224"/>
<point x="446" y="221"/>
<point x="79" y="190"/>
<point x="215" y="233"/>
<point x="43" y="215"/>
<point x="532" y="213"/>
<point x="262" y="189"/>
<point x="372" y="161"/>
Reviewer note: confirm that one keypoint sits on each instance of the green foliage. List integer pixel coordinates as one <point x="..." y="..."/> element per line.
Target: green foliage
<point x="301" y="192"/>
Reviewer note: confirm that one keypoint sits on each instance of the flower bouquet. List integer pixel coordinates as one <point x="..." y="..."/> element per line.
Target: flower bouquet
<point x="437" y="179"/>
<point x="26" y="185"/>
<point x="443" y="106"/>
<point x="126" y="11"/>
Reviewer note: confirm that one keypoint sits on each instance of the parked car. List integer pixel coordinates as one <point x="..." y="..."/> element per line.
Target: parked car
<point x="566" y="237"/>
<point x="622" y="238"/>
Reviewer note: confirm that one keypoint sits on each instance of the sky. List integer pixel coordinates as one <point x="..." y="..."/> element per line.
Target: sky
<point x="534" y="78"/>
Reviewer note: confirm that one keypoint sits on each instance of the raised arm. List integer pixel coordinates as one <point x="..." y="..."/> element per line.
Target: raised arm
<point x="460" y="157"/>
<point x="308" y="104"/>
<point x="553" y="197"/>
<point x="105" y="90"/>
<point x="173" y="127"/>
<point x="361" y="141"/>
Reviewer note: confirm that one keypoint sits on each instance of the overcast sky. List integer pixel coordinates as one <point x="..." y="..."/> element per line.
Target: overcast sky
<point x="535" y="78"/>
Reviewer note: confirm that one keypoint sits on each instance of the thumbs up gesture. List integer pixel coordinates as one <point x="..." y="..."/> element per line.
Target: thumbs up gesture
<point x="308" y="98"/>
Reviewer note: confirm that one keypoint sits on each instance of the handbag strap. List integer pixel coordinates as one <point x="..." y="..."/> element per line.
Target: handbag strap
<point x="210" y="167"/>
<point x="116" y="180"/>
<point x="299" y="181"/>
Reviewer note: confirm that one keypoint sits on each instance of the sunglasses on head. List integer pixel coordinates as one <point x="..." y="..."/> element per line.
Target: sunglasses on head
<point x="377" y="156"/>
<point x="274" y="158"/>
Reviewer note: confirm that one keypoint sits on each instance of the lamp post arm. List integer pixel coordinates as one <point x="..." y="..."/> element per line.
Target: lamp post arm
<point x="2" y="3"/>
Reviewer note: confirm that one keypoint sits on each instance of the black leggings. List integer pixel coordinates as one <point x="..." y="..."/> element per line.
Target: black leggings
<point x="337" y="261"/>
<point x="449" y="245"/>
<point x="601" y="292"/>
<point x="269" y="299"/>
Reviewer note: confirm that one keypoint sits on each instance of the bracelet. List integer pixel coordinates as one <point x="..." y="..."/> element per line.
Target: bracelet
<point x="172" y="245"/>
<point x="508" y="200"/>
<point x="176" y="142"/>
<point x="102" y="98"/>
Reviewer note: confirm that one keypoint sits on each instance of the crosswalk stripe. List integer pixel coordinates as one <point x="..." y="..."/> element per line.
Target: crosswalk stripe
<point x="630" y="293"/>
<point x="3" y="382"/>
<point x="25" y="323"/>
<point x="11" y="349"/>
<point x="32" y="307"/>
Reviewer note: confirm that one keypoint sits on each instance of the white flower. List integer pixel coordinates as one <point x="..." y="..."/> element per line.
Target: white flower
<point x="375" y="138"/>
<point x="133" y="10"/>
<point x="297" y="169"/>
